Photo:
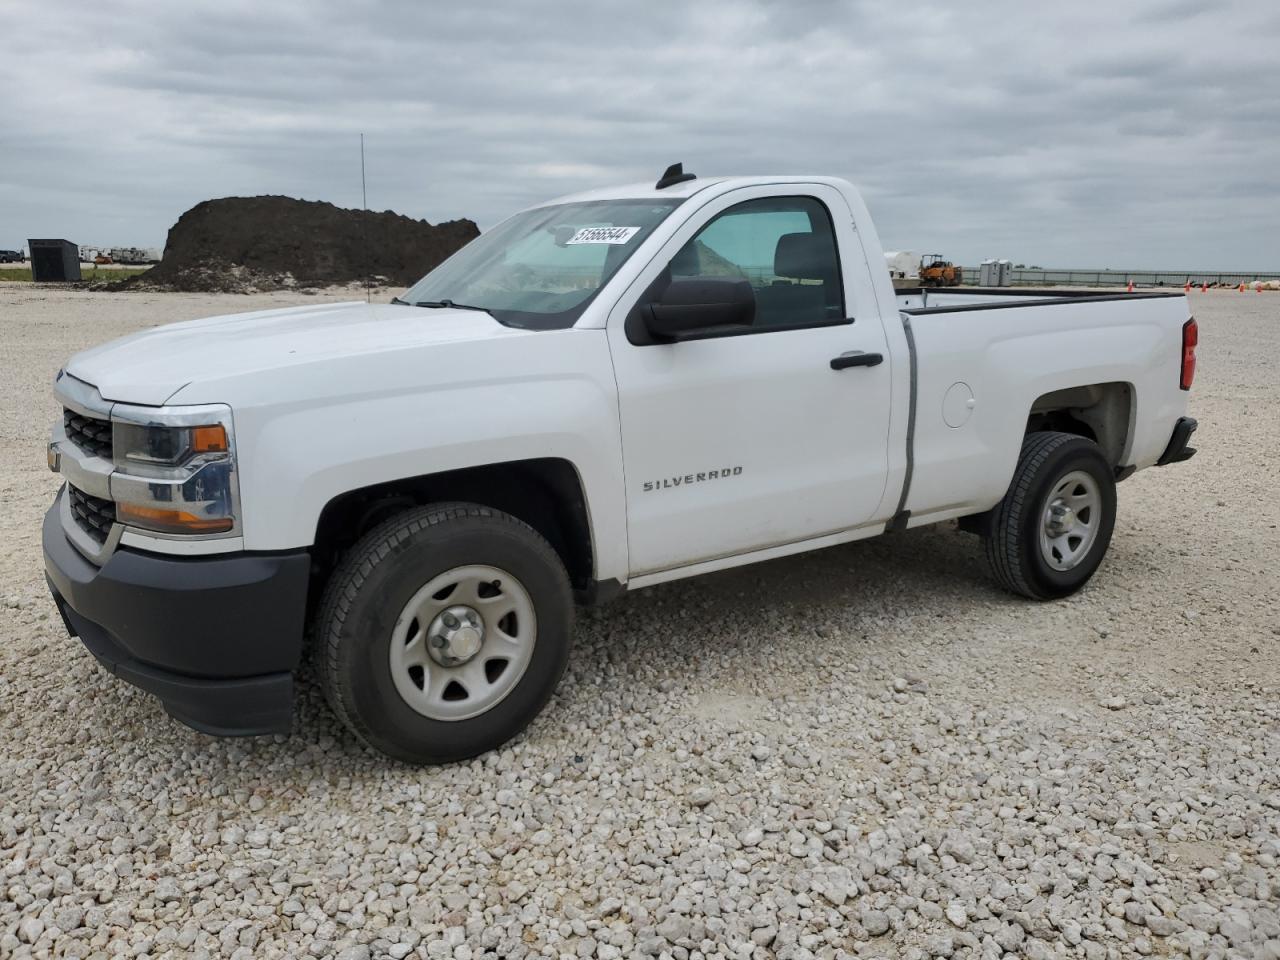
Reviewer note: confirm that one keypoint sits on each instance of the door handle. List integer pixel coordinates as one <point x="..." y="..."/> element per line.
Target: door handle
<point x="856" y="358"/>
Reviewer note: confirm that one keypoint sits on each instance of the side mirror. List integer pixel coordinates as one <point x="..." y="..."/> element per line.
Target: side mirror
<point x="699" y="304"/>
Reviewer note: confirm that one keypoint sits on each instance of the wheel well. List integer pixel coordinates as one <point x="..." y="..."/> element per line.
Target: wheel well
<point x="1100" y="411"/>
<point x="545" y="493"/>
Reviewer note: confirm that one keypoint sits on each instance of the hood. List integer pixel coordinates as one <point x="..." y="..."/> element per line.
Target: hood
<point x="150" y="367"/>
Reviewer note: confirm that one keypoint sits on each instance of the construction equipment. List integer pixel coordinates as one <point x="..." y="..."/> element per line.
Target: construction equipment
<point x="937" y="272"/>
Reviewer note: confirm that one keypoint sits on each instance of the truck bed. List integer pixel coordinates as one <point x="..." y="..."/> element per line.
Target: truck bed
<point x="975" y="382"/>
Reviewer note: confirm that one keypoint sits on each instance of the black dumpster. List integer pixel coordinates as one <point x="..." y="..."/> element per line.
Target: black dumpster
<point x="54" y="260"/>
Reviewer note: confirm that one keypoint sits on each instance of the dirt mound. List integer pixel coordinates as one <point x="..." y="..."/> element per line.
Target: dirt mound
<point x="245" y="244"/>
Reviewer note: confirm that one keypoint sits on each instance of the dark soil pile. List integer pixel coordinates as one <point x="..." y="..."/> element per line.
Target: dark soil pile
<point x="244" y="244"/>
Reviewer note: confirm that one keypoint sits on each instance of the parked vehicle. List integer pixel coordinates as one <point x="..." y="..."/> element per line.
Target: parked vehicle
<point x="11" y="256"/>
<point x="133" y="256"/>
<point x="612" y="390"/>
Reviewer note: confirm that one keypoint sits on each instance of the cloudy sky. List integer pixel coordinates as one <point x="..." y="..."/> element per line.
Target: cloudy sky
<point x="1139" y="133"/>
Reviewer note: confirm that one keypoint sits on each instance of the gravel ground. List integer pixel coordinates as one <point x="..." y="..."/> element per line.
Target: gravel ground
<point x="867" y="751"/>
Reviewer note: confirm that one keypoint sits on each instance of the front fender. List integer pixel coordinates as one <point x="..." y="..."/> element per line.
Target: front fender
<point x="375" y="419"/>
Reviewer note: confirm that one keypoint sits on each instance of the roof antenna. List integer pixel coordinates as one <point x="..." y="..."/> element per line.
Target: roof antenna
<point x="674" y="174"/>
<point x="364" y="225"/>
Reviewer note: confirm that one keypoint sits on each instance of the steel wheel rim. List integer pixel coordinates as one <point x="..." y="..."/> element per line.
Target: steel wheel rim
<point x="1070" y="520"/>
<point x="508" y="630"/>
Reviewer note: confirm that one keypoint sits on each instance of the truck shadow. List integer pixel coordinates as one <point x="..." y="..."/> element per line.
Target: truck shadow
<point x="856" y="593"/>
<point x="911" y="567"/>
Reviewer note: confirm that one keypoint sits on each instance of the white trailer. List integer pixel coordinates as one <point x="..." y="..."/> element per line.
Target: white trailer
<point x="903" y="264"/>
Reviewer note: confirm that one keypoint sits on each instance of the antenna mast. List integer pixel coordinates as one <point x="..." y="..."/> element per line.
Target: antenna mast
<point x="364" y="225"/>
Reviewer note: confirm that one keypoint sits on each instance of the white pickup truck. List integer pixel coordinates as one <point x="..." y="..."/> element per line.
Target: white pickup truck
<point x="608" y="391"/>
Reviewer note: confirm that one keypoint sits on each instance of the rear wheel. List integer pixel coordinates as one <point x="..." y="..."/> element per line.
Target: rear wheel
<point x="1049" y="534"/>
<point x="444" y="632"/>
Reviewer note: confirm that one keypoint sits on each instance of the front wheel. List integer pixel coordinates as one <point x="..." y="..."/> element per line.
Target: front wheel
<point x="444" y="632"/>
<point x="1048" y="535"/>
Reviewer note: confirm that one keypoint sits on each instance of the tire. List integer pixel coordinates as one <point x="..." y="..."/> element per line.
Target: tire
<point x="1029" y="548"/>
<point x="383" y="616"/>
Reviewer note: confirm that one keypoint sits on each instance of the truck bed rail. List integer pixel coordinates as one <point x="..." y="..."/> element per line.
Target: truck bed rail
<point x="995" y="298"/>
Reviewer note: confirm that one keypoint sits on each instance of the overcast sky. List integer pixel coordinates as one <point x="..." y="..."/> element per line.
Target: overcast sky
<point x="1138" y="133"/>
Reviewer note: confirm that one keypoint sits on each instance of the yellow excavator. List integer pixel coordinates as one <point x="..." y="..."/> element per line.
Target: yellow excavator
<point x="936" y="272"/>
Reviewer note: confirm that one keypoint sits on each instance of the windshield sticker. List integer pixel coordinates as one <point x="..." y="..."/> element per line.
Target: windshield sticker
<point x="604" y="235"/>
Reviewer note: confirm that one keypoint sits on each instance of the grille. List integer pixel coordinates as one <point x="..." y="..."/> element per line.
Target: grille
<point x="88" y="433"/>
<point x="93" y="515"/>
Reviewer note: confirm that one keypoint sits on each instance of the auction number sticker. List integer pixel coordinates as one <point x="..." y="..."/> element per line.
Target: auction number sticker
<point x="604" y="235"/>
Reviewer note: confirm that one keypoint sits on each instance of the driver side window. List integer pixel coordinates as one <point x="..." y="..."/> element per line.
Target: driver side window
<point x="784" y="247"/>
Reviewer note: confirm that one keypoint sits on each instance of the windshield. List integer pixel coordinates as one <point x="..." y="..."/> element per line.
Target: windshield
<point x="541" y="268"/>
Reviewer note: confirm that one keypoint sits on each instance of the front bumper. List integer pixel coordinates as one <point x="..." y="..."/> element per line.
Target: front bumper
<point x="216" y="638"/>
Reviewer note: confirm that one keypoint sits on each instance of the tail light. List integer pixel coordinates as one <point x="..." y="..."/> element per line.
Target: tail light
<point x="1190" y="337"/>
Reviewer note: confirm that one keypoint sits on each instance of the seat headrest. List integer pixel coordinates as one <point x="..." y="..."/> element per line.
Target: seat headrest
<point x="803" y="256"/>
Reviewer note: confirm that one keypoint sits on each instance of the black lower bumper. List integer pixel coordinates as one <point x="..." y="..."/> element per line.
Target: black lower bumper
<point x="216" y="638"/>
<point x="1177" y="450"/>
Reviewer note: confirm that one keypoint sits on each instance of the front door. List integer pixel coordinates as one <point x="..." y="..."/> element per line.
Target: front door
<point x="739" y="442"/>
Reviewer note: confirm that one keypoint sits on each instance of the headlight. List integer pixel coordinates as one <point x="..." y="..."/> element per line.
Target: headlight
<point x="167" y="446"/>
<point x="175" y="469"/>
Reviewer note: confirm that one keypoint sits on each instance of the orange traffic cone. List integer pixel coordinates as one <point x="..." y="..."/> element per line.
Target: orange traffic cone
<point x="1257" y="285"/>
<point x="1131" y="286"/>
<point x="1242" y="286"/>
<point x="1186" y="287"/>
<point x="1204" y="288"/>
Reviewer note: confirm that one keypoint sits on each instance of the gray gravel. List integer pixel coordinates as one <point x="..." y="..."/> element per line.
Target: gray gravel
<point x="867" y="751"/>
